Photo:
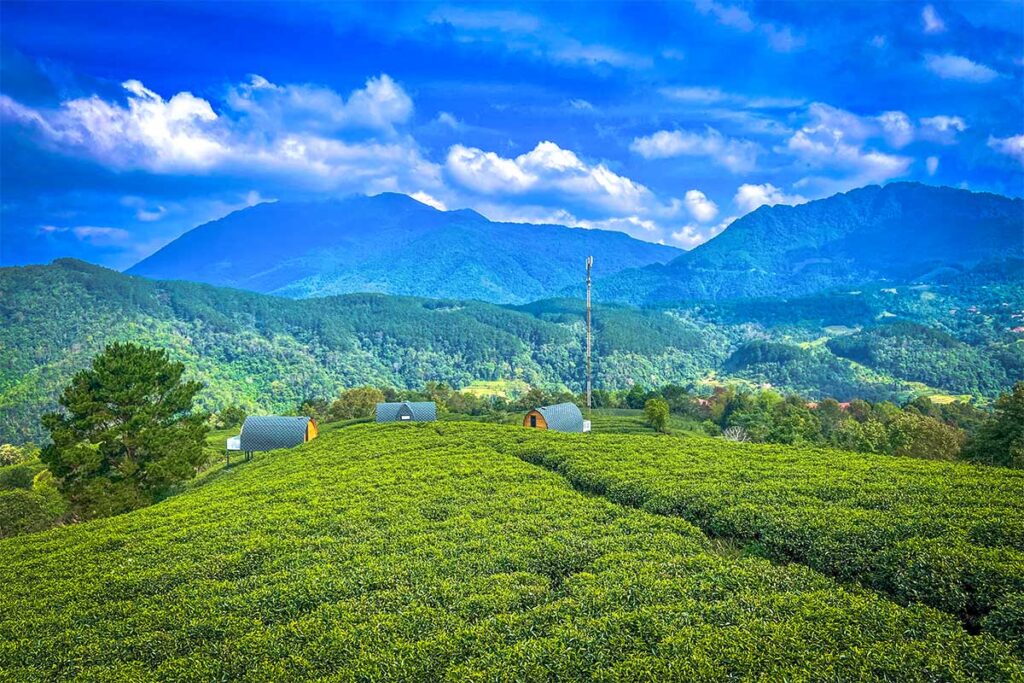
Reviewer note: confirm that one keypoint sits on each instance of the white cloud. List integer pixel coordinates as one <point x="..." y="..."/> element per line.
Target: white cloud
<point x="932" y="165"/>
<point x="833" y="140"/>
<point x="424" y="198"/>
<point x="704" y="95"/>
<point x="733" y="154"/>
<point x="143" y="211"/>
<point x="749" y="197"/>
<point x="700" y="207"/>
<point x="931" y="21"/>
<point x="956" y="68"/>
<point x="508" y="21"/>
<point x="546" y="168"/>
<point x="379" y="105"/>
<point x="942" y="128"/>
<point x="1012" y="146"/>
<point x="780" y="37"/>
<point x="581" y="104"/>
<point x="897" y="128"/>
<point x="449" y="120"/>
<point x="692" y="235"/>
<point x="96" y="235"/>
<point x="526" y="33"/>
<point x="293" y="133"/>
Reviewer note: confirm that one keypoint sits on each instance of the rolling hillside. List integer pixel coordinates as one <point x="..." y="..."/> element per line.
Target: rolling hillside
<point x="270" y="353"/>
<point x="900" y="233"/>
<point x="438" y="552"/>
<point x="392" y="244"/>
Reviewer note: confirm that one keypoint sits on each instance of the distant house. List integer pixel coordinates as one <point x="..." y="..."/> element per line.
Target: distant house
<point x="407" y="411"/>
<point x="270" y="432"/>
<point x="563" y="417"/>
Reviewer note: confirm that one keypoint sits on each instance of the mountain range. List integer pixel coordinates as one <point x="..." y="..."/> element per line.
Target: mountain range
<point x="390" y="243"/>
<point x="900" y="233"/>
<point x="393" y="244"/>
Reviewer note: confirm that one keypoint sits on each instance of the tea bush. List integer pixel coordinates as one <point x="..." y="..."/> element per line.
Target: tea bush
<point x="425" y="553"/>
<point x="948" y="535"/>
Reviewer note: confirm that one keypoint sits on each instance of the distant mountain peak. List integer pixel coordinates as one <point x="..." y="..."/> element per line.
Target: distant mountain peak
<point x="898" y="232"/>
<point x="390" y="243"/>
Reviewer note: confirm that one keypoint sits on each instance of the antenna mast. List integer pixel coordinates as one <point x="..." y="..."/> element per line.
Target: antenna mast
<point x="590" y="263"/>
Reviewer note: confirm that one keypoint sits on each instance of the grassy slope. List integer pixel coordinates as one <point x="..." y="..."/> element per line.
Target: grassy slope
<point x="432" y="552"/>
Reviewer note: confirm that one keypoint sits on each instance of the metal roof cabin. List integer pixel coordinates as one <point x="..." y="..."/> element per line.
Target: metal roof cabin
<point x="270" y="432"/>
<point x="407" y="411"/>
<point x="562" y="417"/>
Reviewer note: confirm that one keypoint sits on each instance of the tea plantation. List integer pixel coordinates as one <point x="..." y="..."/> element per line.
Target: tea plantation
<point x="436" y="552"/>
<point x="949" y="535"/>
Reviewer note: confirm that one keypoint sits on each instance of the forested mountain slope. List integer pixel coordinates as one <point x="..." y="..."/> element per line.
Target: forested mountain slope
<point x="393" y="244"/>
<point x="900" y="233"/>
<point x="270" y="354"/>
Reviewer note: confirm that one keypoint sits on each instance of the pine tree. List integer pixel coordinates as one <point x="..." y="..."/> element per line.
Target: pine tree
<point x="127" y="432"/>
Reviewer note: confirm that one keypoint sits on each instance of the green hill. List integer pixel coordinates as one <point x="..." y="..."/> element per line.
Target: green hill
<point x="271" y="353"/>
<point x="438" y="553"/>
<point x="393" y="244"/>
<point x="900" y="233"/>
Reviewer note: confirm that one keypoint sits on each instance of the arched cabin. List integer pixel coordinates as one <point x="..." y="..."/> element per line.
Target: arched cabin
<point x="270" y="432"/>
<point x="407" y="411"/>
<point x="562" y="417"/>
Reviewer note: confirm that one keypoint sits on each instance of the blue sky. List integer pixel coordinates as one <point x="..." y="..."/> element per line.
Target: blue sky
<point x="124" y="125"/>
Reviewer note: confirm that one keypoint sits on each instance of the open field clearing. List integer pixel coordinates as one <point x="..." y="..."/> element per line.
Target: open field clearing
<point x="424" y="552"/>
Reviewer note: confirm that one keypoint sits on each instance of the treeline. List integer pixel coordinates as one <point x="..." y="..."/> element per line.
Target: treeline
<point x="922" y="428"/>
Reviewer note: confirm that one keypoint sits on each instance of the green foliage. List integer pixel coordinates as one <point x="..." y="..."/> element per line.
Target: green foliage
<point x="353" y="403"/>
<point x="432" y="553"/>
<point x="13" y="455"/>
<point x="126" y="433"/>
<point x="26" y="509"/>
<point x="1000" y="440"/>
<point x="656" y="413"/>
<point x="230" y="417"/>
<point x="946" y="534"/>
<point x="269" y="355"/>
<point x="19" y="476"/>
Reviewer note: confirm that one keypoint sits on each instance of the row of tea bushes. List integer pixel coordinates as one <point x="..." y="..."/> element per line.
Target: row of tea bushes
<point x="422" y="553"/>
<point x="948" y="535"/>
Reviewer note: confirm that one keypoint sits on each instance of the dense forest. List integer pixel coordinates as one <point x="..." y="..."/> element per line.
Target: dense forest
<point x="267" y="353"/>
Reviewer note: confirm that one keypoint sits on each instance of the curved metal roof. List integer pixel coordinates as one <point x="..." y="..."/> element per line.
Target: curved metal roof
<point x="563" y="417"/>
<point x="421" y="411"/>
<point x="268" y="432"/>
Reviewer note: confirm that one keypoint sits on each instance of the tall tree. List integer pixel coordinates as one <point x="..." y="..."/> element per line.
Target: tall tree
<point x="1000" y="440"/>
<point x="656" y="412"/>
<point x="127" y="431"/>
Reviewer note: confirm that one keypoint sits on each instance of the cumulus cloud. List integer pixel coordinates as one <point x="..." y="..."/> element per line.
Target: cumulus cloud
<point x="700" y="207"/>
<point x="736" y="155"/>
<point x="749" y="197"/>
<point x="424" y="198"/>
<point x="546" y="168"/>
<point x="942" y="128"/>
<point x="297" y="133"/>
<point x="932" y="165"/>
<point x="931" y="22"/>
<point x="956" y="68"/>
<point x="379" y="105"/>
<point x="692" y="235"/>
<point x="449" y="120"/>
<point x="833" y="140"/>
<point x="1011" y="146"/>
<point x="897" y="128"/>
